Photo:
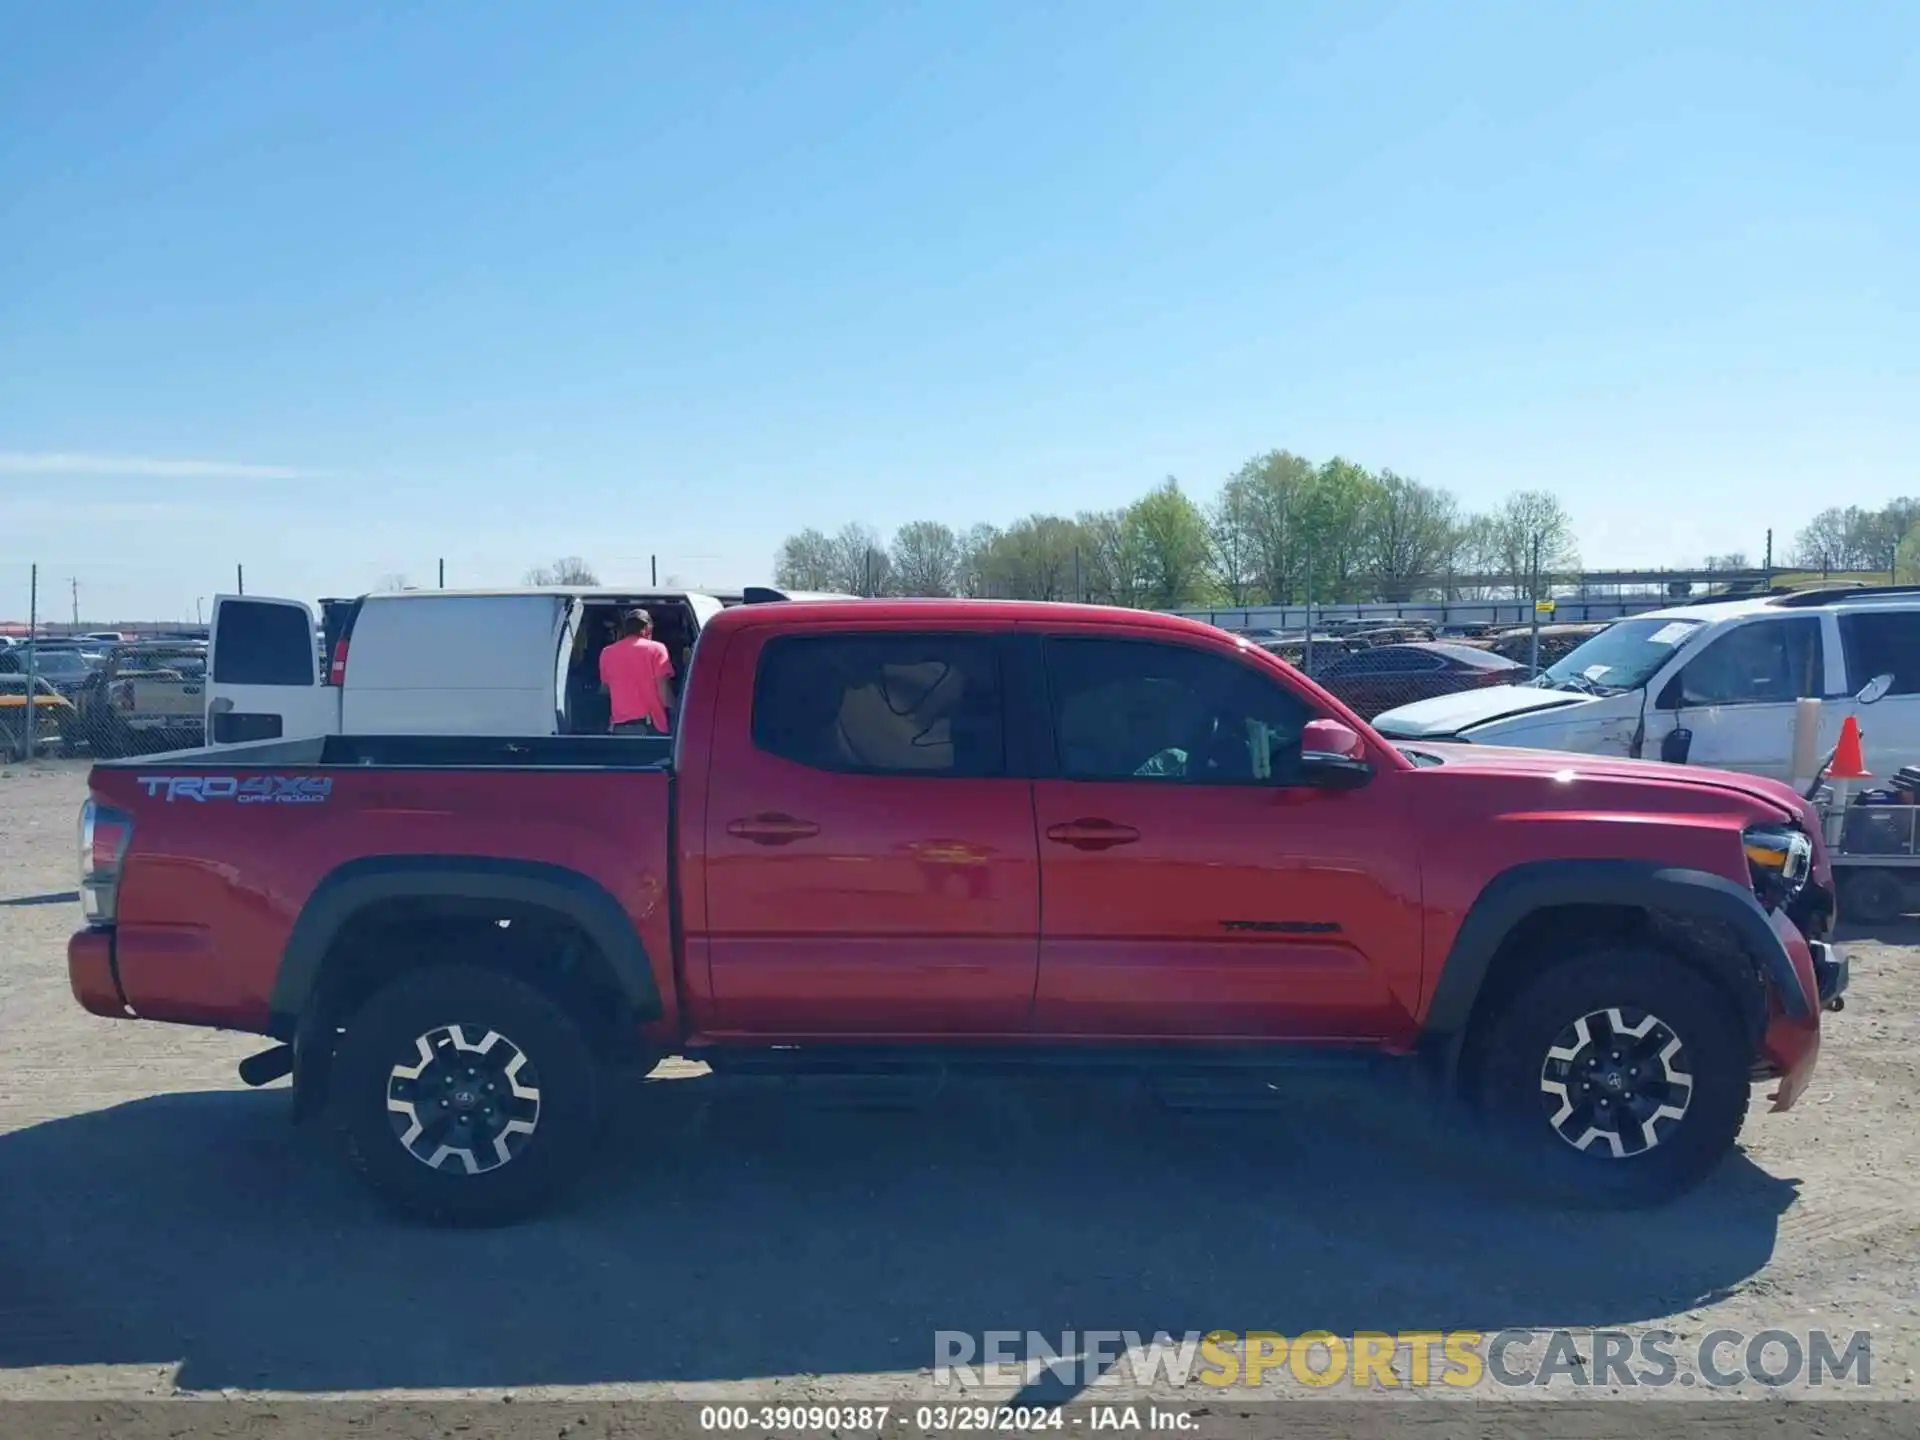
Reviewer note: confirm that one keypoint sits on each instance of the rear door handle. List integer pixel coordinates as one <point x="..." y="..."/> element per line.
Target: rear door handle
<point x="1092" y="834"/>
<point x="772" y="829"/>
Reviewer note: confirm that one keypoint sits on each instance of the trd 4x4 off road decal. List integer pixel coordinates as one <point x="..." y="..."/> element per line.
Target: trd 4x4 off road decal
<point x="242" y="790"/>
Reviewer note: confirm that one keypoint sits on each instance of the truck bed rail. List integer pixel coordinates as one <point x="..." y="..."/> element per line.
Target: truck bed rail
<point x="424" y="752"/>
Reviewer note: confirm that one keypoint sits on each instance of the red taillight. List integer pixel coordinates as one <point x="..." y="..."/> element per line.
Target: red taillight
<point x="105" y="834"/>
<point x="337" y="671"/>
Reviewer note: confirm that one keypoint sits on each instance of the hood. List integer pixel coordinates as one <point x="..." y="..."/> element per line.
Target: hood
<point x="1509" y="760"/>
<point x="1451" y="714"/>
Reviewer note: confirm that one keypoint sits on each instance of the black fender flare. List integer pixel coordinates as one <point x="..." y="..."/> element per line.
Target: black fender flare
<point x="1524" y="889"/>
<point x="350" y="888"/>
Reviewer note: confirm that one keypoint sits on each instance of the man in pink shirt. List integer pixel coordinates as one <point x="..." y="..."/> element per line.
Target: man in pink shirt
<point x="637" y="675"/>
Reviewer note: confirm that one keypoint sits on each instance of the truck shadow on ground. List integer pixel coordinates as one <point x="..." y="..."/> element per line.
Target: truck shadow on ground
<point x="746" y="1234"/>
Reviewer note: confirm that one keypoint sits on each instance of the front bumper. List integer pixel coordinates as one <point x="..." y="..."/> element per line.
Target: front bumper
<point x="1831" y="972"/>
<point x="1790" y="1048"/>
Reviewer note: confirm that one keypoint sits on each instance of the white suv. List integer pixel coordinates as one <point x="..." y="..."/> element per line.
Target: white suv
<point x="1729" y="672"/>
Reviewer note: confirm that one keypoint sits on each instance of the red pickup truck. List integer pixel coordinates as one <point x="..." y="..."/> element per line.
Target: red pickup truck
<point x="958" y="834"/>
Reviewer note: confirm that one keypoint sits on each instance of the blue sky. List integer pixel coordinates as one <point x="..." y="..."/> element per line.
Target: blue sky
<point x="336" y="291"/>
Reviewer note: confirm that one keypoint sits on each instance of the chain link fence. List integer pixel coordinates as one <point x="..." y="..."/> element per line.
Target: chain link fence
<point x="1381" y="668"/>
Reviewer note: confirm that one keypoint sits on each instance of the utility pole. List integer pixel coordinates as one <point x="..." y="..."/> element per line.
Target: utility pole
<point x="240" y="579"/>
<point x="1767" y="583"/>
<point x="1306" y="653"/>
<point x="443" y="572"/>
<point x="1533" y="647"/>
<point x="31" y="719"/>
<point x="74" y="582"/>
<point x="653" y="571"/>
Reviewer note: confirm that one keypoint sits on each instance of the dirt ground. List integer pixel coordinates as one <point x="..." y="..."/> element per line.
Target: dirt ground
<point x="166" y="1232"/>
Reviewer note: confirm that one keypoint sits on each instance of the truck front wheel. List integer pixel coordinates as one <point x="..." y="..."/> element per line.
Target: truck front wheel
<point x="464" y="1095"/>
<point x="1619" y="1076"/>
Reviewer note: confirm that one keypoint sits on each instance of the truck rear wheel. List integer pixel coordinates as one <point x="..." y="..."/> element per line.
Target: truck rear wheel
<point x="1619" y="1078"/>
<point x="465" y="1096"/>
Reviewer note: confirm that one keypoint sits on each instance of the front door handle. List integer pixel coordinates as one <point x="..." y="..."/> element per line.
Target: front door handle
<point x="1092" y="834"/>
<point x="772" y="829"/>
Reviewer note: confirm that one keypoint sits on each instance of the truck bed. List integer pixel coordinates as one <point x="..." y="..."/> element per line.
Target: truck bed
<point x="231" y="846"/>
<point x="421" y="752"/>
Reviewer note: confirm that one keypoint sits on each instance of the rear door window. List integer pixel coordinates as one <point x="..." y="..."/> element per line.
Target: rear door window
<point x="261" y="643"/>
<point x="1886" y="643"/>
<point x="883" y="704"/>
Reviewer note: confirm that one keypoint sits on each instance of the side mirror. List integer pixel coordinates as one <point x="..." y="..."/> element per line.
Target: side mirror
<point x="1675" y="746"/>
<point x="1333" y="756"/>
<point x="1874" y="689"/>
<point x="1330" y="737"/>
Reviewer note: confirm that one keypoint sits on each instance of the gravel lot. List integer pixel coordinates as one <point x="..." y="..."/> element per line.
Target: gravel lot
<point x="164" y="1231"/>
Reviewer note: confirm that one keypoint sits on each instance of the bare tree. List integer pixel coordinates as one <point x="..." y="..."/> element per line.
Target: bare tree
<point x="393" y="582"/>
<point x="925" y="559"/>
<point x="1231" y="541"/>
<point x="567" y="570"/>
<point x="1527" y="516"/>
<point x="805" y="562"/>
<point x="974" y="576"/>
<point x="859" y="562"/>
<point x="1408" y="527"/>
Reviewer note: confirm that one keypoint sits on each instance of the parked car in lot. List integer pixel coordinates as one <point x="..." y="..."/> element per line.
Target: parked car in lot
<point x="65" y="667"/>
<point x="49" y="720"/>
<point x="1388" y="675"/>
<point x="1727" y="676"/>
<point x="837" y="863"/>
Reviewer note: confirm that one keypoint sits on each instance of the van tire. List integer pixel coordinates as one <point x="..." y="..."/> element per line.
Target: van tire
<point x="1579" y="1078"/>
<point x="465" y="1095"/>
<point x="1870" y="896"/>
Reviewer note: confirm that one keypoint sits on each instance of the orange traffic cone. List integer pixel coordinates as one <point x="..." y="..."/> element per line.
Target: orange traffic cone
<point x="1848" y="762"/>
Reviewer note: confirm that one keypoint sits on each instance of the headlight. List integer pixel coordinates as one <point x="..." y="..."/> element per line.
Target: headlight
<point x="1779" y="858"/>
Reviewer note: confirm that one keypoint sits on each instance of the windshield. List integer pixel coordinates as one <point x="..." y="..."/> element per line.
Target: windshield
<point x="1624" y="656"/>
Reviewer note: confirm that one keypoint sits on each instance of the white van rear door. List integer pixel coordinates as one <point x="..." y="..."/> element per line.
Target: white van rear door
<point x="264" y="678"/>
<point x="456" y="664"/>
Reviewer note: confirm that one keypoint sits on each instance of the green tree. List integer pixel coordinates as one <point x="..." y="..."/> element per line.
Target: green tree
<point x="1334" y="504"/>
<point x="1171" y="534"/>
<point x="1268" y="506"/>
<point x="1033" y="559"/>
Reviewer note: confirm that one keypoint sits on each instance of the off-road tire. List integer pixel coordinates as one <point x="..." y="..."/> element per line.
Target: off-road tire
<point x="386" y="1032"/>
<point x="1545" y="1015"/>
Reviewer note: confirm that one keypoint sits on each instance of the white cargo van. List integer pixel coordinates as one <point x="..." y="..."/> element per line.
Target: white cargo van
<point x="1726" y="674"/>
<point x="432" y="662"/>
